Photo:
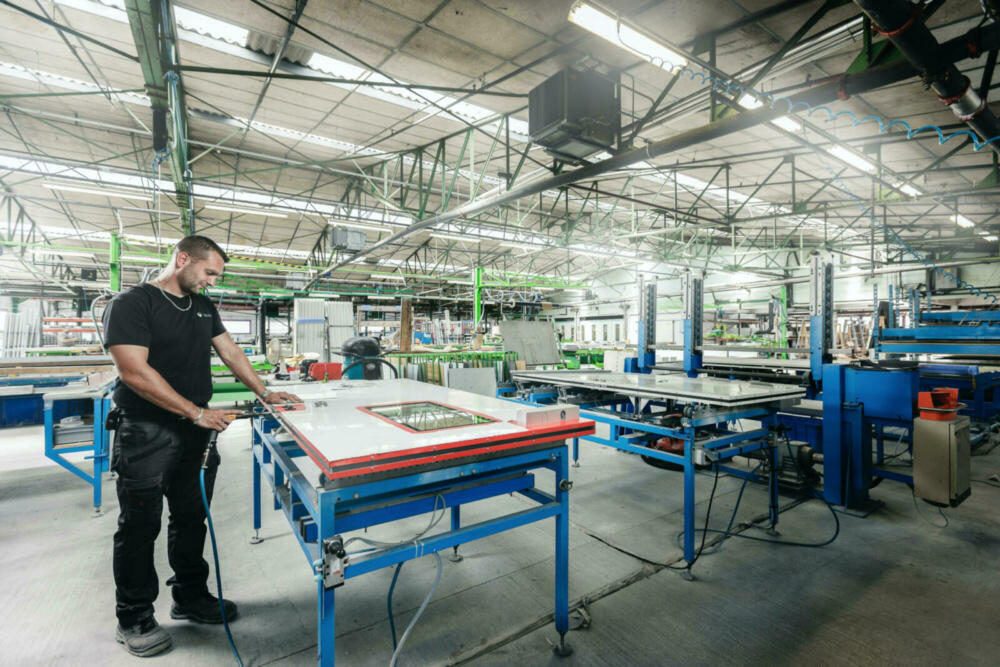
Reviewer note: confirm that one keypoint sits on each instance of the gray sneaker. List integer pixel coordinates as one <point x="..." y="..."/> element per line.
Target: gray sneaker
<point x="144" y="639"/>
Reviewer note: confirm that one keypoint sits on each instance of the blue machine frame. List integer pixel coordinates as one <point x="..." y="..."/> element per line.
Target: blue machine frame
<point x="99" y="446"/>
<point x="858" y="405"/>
<point x="630" y="432"/>
<point x="320" y="516"/>
<point x="967" y="333"/>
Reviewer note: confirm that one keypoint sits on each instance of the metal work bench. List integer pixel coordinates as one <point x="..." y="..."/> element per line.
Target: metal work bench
<point x="633" y="406"/>
<point x="363" y="453"/>
<point x="81" y="436"/>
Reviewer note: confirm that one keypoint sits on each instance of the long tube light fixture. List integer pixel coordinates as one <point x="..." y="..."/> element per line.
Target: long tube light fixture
<point x="267" y="213"/>
<point x="962" y="221"/>
<point x="609" y="26"/>
<point x="851" y="158"/>
<point x="95" y="191"/>
<point x="520" y="246"/>
<point x="68" y="253"/>
<point x="367" y="226"/>
<point x="454" y="237"/>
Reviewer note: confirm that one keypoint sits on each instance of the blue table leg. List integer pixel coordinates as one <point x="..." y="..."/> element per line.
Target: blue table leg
<point x="326" y="596"/>
<point x="562" y="649"/>
<point x="256" y="501"/>
<point x="325" y="616"/>
<point x="773" y="483"/>
<point x="689" y="498"/>
<point x="456" y="523"/>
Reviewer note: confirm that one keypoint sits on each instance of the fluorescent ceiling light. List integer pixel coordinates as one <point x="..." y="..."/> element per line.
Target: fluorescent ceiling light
<point x="145" y="258"/>
<point x="851" y="158"/>
<point x="368" y="226"/>
<point x="454" y="237"/>
<point x="249" y="211"/>
<point x="67" y="253"/>
<point x="381" y="277"/>
<point x="93" y="191"/>
<point x="990" y="237"/>
<point x="458" y="281"/>
<point x="521" y="246"/>
<point x="608" y="26"/>
<point x="962" y="221"/>
<point x="787" y="123"/>
<point x="784" y="122"/>
<point x="383" y="298"/>
<point x="206" y="25"/>
<point x="907" y="189"/>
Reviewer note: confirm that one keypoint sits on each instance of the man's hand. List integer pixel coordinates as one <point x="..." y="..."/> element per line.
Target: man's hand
<point x="216" y="420"/>
<point x="280" y="397"/>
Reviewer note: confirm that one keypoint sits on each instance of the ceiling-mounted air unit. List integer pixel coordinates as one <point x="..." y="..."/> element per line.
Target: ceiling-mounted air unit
<point x="574" y="113"/>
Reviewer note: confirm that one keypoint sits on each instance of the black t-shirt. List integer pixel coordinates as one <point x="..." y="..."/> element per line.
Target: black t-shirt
<point x="179" y="342"/>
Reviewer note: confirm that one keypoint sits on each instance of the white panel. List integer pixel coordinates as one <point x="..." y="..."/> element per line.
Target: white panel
<point x="308" y="323"/>
<point x="340" y="320"/>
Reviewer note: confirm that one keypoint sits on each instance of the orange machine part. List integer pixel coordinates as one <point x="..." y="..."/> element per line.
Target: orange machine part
<point x="938" y="404"/>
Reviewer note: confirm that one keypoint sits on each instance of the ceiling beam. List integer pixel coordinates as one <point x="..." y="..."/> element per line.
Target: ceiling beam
<point x="153" y="33"/>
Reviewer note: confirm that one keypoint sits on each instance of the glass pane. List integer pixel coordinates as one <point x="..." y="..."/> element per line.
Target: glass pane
<point x="427" y="416"/>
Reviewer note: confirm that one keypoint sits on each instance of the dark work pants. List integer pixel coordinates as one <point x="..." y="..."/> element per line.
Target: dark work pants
<point x="154" y="459"/>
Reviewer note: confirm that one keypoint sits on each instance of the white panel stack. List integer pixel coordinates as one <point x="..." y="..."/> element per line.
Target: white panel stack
<point x="309" y="321"/>
<point x="340" y="323"/>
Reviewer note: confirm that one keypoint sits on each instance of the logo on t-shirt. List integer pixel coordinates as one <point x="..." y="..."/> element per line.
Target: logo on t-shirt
<point x="200" y="314"/>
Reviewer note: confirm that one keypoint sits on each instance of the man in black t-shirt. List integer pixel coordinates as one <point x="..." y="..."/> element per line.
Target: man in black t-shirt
<point x="159" y="335"/>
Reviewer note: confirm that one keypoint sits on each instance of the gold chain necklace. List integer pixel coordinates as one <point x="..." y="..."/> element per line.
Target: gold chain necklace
<point x="171" y="301"/>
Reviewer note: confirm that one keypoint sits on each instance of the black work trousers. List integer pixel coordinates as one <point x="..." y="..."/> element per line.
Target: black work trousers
<point x="156" y="459"/>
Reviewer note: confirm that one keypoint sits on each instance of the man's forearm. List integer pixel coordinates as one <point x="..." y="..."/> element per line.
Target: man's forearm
<point x="244" y="372"/>
<point x="151" y="386"/>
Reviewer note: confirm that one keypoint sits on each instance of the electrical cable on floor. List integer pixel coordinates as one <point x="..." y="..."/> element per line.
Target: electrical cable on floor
<point x="388" y="604"/>
<point x="435" y="519"/>
<point x="921" y="514"/>
<point x="727" y="533"/>
<point x="215" y="555"/>
<point x="420" y="611"/>
<point x="732" y="517"/>
<point x="704" y="534"/>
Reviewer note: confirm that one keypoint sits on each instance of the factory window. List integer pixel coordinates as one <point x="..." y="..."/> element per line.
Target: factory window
<point x="604" y="333"/>
<point x="618" y="332"/>
<point x="593" y="332"/>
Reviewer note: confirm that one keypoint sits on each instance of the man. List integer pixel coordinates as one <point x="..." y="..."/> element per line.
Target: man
<point x="158" y="335"/>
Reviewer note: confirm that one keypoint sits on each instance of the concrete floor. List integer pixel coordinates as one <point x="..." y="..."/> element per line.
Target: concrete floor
<point x="894" y="588"/>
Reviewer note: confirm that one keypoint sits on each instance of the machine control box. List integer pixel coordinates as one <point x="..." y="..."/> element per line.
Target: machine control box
<point x="941" y="460"/>
<point x="549" y="414"/>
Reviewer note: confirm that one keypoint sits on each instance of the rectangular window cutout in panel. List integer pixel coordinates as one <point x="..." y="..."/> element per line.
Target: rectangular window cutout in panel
<point x="426" y="416"/>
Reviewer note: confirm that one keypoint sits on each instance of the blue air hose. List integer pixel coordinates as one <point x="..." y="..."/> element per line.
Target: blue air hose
<point x="215" y="553"/>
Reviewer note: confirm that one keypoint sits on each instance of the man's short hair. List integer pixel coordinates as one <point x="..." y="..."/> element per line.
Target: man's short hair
<point x="200" y="246"/>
